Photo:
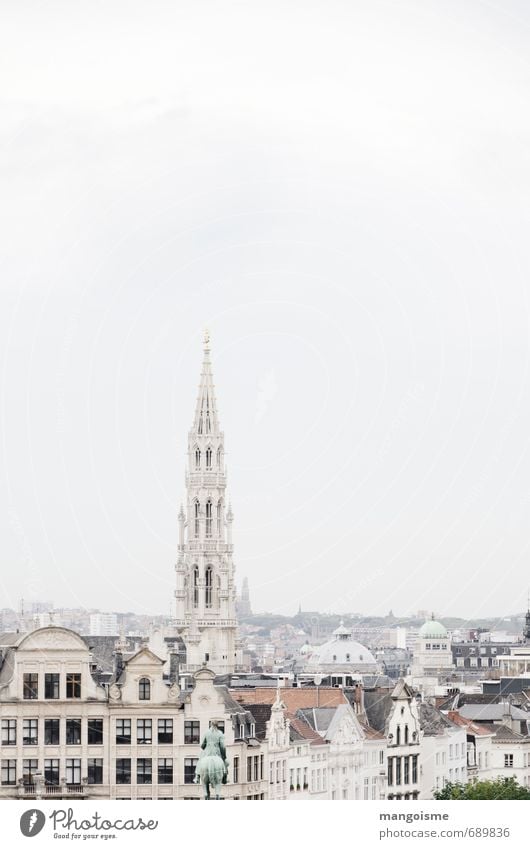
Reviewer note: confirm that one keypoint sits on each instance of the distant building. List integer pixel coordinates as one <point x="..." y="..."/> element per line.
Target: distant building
<point x="244" y="609"/>
<point x="103" y="624"/>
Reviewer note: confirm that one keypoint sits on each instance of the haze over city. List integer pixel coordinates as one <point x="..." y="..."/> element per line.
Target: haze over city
<point x="352" y="232"/>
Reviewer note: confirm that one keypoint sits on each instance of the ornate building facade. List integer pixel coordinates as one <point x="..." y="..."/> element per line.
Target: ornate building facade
<point x="206" y="592"/>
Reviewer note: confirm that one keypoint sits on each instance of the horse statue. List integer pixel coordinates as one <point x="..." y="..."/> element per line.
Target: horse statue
<point x="212" y="767"/>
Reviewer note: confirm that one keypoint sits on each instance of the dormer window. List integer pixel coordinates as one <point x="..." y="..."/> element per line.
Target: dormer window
<point x="241" y="731"/>
<point x="144" y="689"/>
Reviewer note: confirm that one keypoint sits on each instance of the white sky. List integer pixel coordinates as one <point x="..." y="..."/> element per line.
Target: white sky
<point x="340" y="192"/>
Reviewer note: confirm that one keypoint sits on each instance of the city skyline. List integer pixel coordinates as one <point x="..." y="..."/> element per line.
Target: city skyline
<point x="352" y="229"/>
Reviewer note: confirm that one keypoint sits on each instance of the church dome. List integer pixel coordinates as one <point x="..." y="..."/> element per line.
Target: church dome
<point x="344" y="651"/>
<point x="433" y="629"/>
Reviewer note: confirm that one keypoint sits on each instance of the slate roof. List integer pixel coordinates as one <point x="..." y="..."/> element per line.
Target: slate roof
<point x="304" y="731"/>
<point x="10" y="638"/>
<point x="492" y="712"/>
<point x="432" y="722"/>
<point x="377" y="706"/>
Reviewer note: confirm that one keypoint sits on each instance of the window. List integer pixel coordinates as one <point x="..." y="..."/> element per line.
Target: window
<point x="95" y="732"/>
<point x="414" y="769"/>
<point x="208" y="518"/>
<point x="208" y="588"/>
<point x="165" y="730"/>
<point x="31" y="685"/>
<point x="51" y="771"/>
<point x="123" y="770"/>
<point x="144" y="731"/>
<point x="398" y="736"/>
<point x="236" y="771"/>
<point x="165" y="770"/>
<point x="192" y="731"/>
<point x="144" y="771"/>
<point x="220" y="725"/>
<point x="29" y="767"/>
<point x="52" y="732"/>
<point x="30" y="733"/>
<point x="197" y="458"/>
<point x="73" y="685"/>
<point x="261" y="767"/>
<point x="123" y="731"/>
<point x="208" y="458"/>
<point x="51" y="685"/>
<point x="9" y="732"/>
<point x="398" y="770"/>
<point x="219" y="518"/>
<point x="255" y="775"/>
<point x="197" y="518"/>
<point x="144" y="689"/>
<point x="189" y="769"/>
<point x="508" y="760"/>
<point x="195" y="586"/>
<point x="390" y="777"/>
<point x="9" y="772"/>
<point x="73" y="732"/>
<point x="219" y="457"/>
<point x="406" y="770"/>
<point x="406" y="734"/>
<point x="249" y="769"/>
<point x="95" y="770"/>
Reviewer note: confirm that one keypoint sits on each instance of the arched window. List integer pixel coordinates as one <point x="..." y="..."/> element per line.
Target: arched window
<point x="219" y="457"/>
<point x="406" y="735"/>
<point x="348" y="658"/>
<point x="144" y="689"/>
<point x="208" y="426"/>
<point x="209" y="518"/>
<point x="209" y="587"/>
<point x="195" y="586"/>
<point x="197" y="511"/>
<point x="208" y="458"/>
<point x="219" y="518"/>
<point x="197" y="458"/>
<point x="398" y="736"/>
<point x="199" y="429"/>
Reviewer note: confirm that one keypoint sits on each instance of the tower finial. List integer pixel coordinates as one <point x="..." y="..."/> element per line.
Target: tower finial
<point x="206" y="339"/>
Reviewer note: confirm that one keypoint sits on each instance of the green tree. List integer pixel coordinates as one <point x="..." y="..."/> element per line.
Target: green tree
<point x="500" y="788"/>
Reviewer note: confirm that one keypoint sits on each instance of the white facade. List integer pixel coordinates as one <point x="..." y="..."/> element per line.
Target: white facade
<point x="103" y="624"/>
<point x="138" y="737"/>
<point x="206" y="593"/>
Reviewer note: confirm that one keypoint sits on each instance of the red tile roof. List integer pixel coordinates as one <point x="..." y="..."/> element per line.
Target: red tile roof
<point x="294" y="698"/>
<point x="304" y="729"/>
<point x="474" y="727"/>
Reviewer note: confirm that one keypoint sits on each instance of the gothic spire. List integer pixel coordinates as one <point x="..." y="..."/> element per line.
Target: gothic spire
<point x="205" y="422"/>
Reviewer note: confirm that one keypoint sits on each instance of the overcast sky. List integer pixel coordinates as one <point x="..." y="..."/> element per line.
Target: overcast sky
<point x="339" y="191"/>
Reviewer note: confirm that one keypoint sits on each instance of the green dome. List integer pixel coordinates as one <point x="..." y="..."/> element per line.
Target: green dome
<point x="433" y="629"/>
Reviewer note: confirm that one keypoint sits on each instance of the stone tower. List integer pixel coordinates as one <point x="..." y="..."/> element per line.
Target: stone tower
<point x="206" y="593"/>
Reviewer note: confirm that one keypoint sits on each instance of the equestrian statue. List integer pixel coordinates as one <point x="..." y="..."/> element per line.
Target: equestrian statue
<point x="212" y="767"/>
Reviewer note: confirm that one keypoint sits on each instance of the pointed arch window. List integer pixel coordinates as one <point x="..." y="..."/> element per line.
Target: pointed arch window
<point x="195" y="586"/>
<point x="199" y="429"/>
<point x="209" y="518"/>
<point x="219" y="518"/>
<point x="208" y="587"/>
<point x="398" y="736"/>
<point x="406" y="734"/>
<point x="208" y="425"/>
<point x="196" y="518"/>
<point x="209" y="457"/>
<point x="197" y="457"/>
<point x="220" y="458"/>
